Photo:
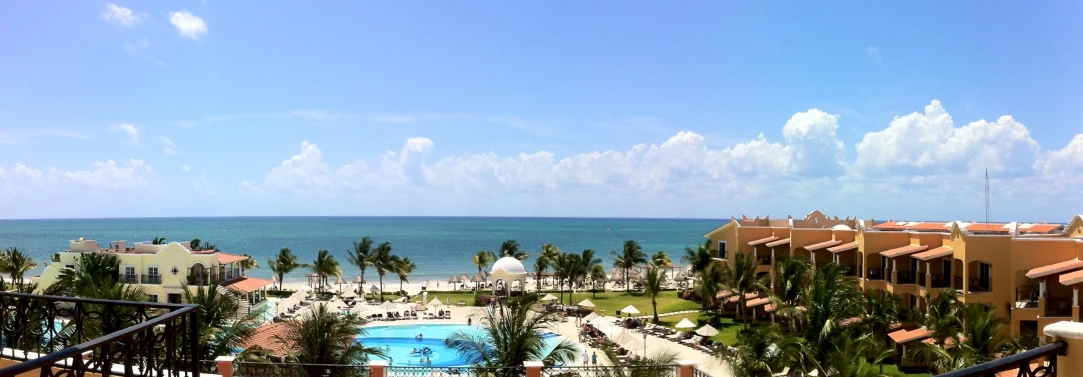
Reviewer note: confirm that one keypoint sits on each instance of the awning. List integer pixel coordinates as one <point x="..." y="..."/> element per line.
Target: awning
<point x="844" y="247"/>
<point x="725" y="294"/>
<point x="903" y="336"/>
<point x="905" y="250"/>
<point x="770" y="308"/>
<point x="942" y="251"/>
<point x="758" y="302"/>
<point x="1055" y="268"/>
<point x="821" y="245"/>
<point x="249" y="284"/>
<point x="1072" y="278"/>
<point x="779" y="242"/>
<point x="762" y="241"/>
<point x="748" y="296"/>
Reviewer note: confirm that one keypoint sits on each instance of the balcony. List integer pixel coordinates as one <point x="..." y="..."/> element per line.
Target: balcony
<point x="202" y="279"/>
<point x="129" y="278"/>
<point x="764" y="260"/>
<point x="904" y="277"/>
<point x="875" y="274"/>
<point x="151" y="279"/>
<point x="1026" y="296"/>
<point x="1058" y="307"/>
<point x="957" y="282"/>
<point x="939" y="281"/>
<point x="981" y="285"/>
<point x="920" y="279"/>
<point x="140" y="338"/>
<point x="851" y="270"/>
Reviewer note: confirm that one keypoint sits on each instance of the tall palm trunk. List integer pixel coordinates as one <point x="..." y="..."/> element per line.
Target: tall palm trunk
<point x="627" y="287"/>
<point x="654" y="304"/>
<point x="381" y="287"/>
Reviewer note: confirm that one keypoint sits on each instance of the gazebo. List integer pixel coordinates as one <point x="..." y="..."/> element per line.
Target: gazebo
<point x="508" y="270"/>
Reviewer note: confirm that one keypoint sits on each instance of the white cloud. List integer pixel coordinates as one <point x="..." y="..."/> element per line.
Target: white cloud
<point x="167" y="146"/>
<point x="109" y="175"/>
<point x="121" y="16"/>
<point x="188" y="25"/>
<point x="185" y="168"/>
<point x="874" y="53"/>
<point x="1065" y="163"/>
<point x="203" y="185"/>
<point x="128" y="129"/>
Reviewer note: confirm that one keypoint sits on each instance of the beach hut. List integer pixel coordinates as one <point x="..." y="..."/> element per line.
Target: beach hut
<point x="463" y="280"/>
<point x="340" y="282"/>
<point x="477" y="280"/>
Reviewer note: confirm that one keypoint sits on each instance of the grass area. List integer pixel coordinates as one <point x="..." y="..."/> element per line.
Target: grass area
<point x="611" y="302"/>
<point x="449" y="298"/>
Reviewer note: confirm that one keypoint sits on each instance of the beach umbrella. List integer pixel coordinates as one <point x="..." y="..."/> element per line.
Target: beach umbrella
<point x="340" y="282"/>
<point x="685" y="324"/>
<point x="598" y="322"/>
<point x="387" y="305"/>
<point x="549" y="297"/>
<point x="435" y="302"/>
<point x="707" y="330"/>
<point x="348" y="294"/>
<point x="358" y="280"/>
<point x="359" y="308"/>
<point x="586" y="303"/>
<point x="338" y="304"/>
<point x="631" y="310"/>
<point x="590" y="317"/>
<point x="624" y="337"/>
<point x="478" y="279"/>
<point x="454" y="279"/>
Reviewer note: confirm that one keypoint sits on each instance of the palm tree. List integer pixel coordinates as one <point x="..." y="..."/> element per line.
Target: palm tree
<point x="383" y="261"/>
<point x="741" y="278"/>
<point x="158" y="241"/>
<point x="631" y="256"/>
<point x="359" y="254"/>
<point x="404" y="267"/>
<point x="198" y="245"/>
<point x="512" y="336"/>
<point x="791" y="276"/>
<point x="16" y="263"/>
<point x="699" y="258"/>
<point x="981" y="340"/>
<point x="483" y="258"/>
<point x="652" y="284"/>
<point x="284" y="263"/>
<point x="567" y="268"/>
<point x="880" y="311"/>
<point x="943" y="318"/>
<point x="857" y="356"/>
<point x="597" y="274"/>
<point x="222" y="328"/>
<point x="324" y="267"/>
<point x="248" y="263"/>
<point x="828" y="299"/>
<point x="763" y="351"/>
<point x="549" y="252"/>
<point x="588" y="261"/>
<point x="322" y="337"/>
<point x="540" y="265"/>
<point x="661" y="259"/>
<point x="708" y="285"/>
<point x="510" y="248"/>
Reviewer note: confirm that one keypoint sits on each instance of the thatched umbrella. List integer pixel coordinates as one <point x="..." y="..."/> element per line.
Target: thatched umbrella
<point x="454" y="282"/>
<point x="477" y="280"/>
<point x="340" y="282"/>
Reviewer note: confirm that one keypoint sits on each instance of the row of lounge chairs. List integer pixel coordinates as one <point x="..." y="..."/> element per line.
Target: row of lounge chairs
<point x="409" y="315"/>
<point x="697" y="342"/>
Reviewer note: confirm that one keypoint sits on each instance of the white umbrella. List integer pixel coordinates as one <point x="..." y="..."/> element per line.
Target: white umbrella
<point x="590" y="317"/>
<point x="600" y="321"/>
<point x="338" y="304"/>
<point x="624" y="337"/>
<point x="349" y="294"/>
<point x="586" y="303"/>
<point x="630" y="310"/>
<point x="707" y="330"/>
<point x="435" y="302"/>
<point x="387" y="305"/>
<point x="685" y="324"/>
<point x="359" y="308"/>
<point x="358" y="280"/>
<point x="549" y="297"/>
<point x="374" y="289"/>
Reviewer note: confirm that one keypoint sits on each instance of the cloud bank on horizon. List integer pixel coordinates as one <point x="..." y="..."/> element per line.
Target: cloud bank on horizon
<point x="921" y="163"/>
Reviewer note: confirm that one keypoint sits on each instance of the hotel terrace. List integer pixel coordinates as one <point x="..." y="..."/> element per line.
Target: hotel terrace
<point x="1032" y="272"/>
<point x="164" y="270"/>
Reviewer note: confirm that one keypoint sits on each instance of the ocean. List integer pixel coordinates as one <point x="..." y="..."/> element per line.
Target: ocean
<point x="440" y="246"/>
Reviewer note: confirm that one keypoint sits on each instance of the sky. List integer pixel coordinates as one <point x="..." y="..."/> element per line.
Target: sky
<point x="558" y="108"/>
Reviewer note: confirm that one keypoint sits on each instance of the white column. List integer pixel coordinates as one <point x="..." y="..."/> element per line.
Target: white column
<point x="813" y="255"/>
<point x="1041" y="288"/>
<point x="1075" y="296"/>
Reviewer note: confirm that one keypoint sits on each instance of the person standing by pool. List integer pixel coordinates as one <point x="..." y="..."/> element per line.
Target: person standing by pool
<point x="584" y="356"/>
<point x="594" y="359"/>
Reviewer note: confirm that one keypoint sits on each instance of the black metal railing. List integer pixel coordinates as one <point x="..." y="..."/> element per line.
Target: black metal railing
<point x="920" y="278"/>
<point x="1058" y="307"/>
<point x="875" y="274"/>
<point x="202" y="279"/>
<point x="1044" y="357"/>
<point x="68" y="336"/>
<point x="407" y="371"/>
<point x="612" y="371"/>
<point x="957" y="282"/>
<point x="129" y="278"/>
<point x="245" y="369"/>
<point x="152" y="279"/>
<point x="1026" y="296"/>
<point x="764" y="260"/>
<point x="851" y="270"/>
<point x="980" y="285"/>
<point x="939" y="281"/>
<point x="904" y="277"/>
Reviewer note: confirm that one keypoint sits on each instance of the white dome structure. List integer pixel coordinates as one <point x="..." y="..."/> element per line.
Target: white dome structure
<point x="507" y="270"/>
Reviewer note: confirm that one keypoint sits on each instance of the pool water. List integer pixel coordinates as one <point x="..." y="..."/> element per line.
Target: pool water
<point x="400" y="341"/>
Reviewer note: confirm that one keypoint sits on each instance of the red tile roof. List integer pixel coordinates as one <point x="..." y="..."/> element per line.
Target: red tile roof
<point x="905" y="250"/>
<point x="821" y="245"/>
<point x="1072" y="278"/>
<point x="779" y="242"/>
<point x="999" y="228"/>
<point x="762" y="241"/>
<point x="758" y="302"/>
<point x="249" y="284"/>
<point x="770" y="308"/>
<point x="224" y="258"/>
<point x="903" y="336"/>
<point x="748" y="296"/>
<point x="843" y="247"/>
<point x="265" y="337"/>
<point x="942" y="251"/>
<point x="725" y="293"/>
<point x="1055" y="268"/>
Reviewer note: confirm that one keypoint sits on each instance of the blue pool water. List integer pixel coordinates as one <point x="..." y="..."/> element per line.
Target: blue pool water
<point x="401" y="340"/>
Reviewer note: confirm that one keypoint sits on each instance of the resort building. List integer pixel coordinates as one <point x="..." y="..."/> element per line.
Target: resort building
<point x="1030" y="271"/>
<point x="164" y="270"/>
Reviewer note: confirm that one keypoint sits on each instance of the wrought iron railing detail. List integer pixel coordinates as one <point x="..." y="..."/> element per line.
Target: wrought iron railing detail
<point x="1038" y="362"/>
<point x="67" y="336"/>
<point x="401" y="371"/>
<point x="612" y="371"/>
<point x="246" y="369"/>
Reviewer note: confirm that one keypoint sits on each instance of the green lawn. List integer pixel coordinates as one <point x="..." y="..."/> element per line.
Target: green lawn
<point x="449" y="298"/>
<point x="611" y="302"/>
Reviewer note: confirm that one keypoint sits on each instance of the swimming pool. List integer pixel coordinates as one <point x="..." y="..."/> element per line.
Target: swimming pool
<point x="400" y="340"/>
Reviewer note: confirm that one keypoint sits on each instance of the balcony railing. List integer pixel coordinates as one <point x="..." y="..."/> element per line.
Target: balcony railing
<point x="151" y="279"/>
<point x="875" y="274"/>
<point x="1029" y="363"/>
<point x="851" y="270"/>
<point x="939" y="281"/>
<point x="67" y="336"/>
<point x="1026" y="296"/>
<point x="957" y="282"/>
<point x="980" y="284"/>
<point x="129" y="278"/>
<point x="764" y="260"/>
<point x="904" y="277"/>
<point x="920" y="279"/>
<point x="202" y="279"/>
<point x="1058" y="307"/>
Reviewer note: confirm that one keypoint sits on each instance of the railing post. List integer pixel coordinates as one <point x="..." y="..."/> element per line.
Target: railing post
<point x="378" y="368"/>
<point x="686" y="368"/>
<point x="533" y="368"/>
<point x="1071" y="364"/>
<point x="225" y="365"/>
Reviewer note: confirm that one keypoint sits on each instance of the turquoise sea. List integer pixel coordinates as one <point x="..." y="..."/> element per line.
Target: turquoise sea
<point x="440" y="246"/>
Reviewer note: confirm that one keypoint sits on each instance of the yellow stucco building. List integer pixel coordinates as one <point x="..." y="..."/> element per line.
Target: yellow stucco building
<point x="164" y="270"/>
<point x="1032" y="272"/>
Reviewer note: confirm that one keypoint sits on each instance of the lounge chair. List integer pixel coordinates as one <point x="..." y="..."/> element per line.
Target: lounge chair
<point x="692" y="341"/>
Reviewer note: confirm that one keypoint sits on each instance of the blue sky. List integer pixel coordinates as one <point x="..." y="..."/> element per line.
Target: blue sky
<point x="540" y="109"/>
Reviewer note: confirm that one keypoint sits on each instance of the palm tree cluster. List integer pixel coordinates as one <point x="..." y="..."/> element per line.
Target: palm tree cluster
<point x="835" y="329"/>
<point x="570" y="268"/>
<point x="285" y="262"/>
<point x="367" y="253"/>
<point x="511" y="336"/>
<point x="16" y="264"/>
<point x="322" y="337"/>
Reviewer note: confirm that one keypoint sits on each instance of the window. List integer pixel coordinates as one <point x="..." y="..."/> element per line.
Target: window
<point x="174" y="298"/>
<point x="152" y="298"/>
<point x="129" y="270"/>
<point x="722" y="249"/>
<point x="71" y="266"/>
<point x="152" y="270"/>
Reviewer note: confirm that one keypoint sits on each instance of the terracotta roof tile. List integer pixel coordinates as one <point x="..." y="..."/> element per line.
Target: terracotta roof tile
<point x="769" y="308"/>
<point x="758" y="302"/>
<point x="265" y="337"/>
<point x="725" y="293"/>
<point x="249" y="284"/>
<point x="779" y="242"/>
<point x="821" y="245"/>
<point x="843" y="247"/>
<point x="1072" y="278"/>
<point x="748" y="296"/>
<point x="224" y="258"/>
<point x="903" y="336"/>
<point x="762" y="241"/>
<point x="1055" y="268"/>
<point x="905" y="250"/>
<point x="942" y="251"/>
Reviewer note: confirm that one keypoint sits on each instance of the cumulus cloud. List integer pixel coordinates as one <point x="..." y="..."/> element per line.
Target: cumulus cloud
<point x="167" y="146"/>
<point x="203" y="185"/>
<point x="121" y="16"/>
<point x="127" y="129"/>
<point x="929" y="144"/>
<point x="185" y="168"/>
<point x="1065" y="163"/>
<point x="188" y="25"/>
<point x="107" y="175"/>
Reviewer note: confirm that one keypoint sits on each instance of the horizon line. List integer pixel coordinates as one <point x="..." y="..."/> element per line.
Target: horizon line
<point x="350" y="216"/>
